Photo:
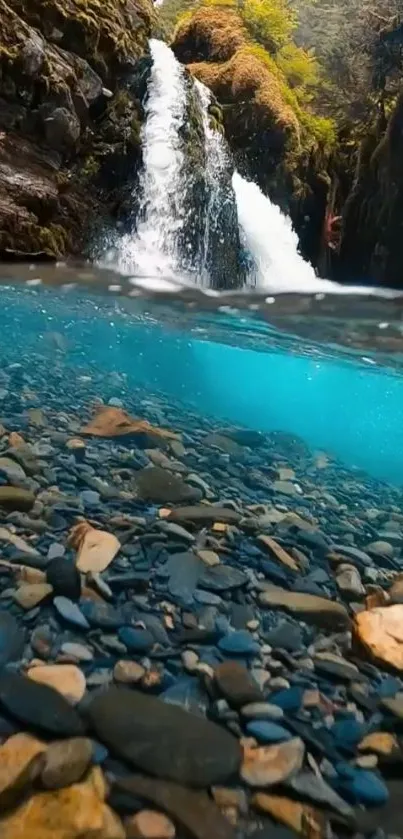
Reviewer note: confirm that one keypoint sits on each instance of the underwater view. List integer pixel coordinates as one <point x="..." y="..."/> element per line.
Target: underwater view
<point x="201" y="430"/>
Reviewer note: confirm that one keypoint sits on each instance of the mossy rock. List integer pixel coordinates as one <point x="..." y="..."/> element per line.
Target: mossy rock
<point x="109" y="34"/>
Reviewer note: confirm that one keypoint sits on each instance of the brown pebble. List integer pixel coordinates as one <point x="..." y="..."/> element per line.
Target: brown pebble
<point x="148" y="824"/>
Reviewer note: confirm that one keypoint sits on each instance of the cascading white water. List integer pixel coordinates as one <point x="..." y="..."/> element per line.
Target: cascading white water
<point x="266" y="233"/>
<point x="152" y="250"/>
<point x="217" y="164"/>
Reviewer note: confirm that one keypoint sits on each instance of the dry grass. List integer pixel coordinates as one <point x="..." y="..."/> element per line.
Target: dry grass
<point x="213" y="34"/>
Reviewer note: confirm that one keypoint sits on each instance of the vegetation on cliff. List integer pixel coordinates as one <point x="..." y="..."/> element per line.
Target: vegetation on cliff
<point x="68" y="123"/>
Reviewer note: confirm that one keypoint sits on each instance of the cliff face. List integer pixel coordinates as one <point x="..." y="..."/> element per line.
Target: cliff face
<point x="274" y="140"/>
<point x="372" y="233"/>
<point x="69" y="120"/>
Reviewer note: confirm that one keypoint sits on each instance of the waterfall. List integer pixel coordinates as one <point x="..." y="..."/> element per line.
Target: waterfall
<point x="231" y="232"/>
<point x="152" y="249"/>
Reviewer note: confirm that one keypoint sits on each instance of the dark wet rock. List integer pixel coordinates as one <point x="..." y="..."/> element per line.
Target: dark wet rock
<point x="236" y="684"/>
<point x="336" y="666"/>
<point x="222" y="577"/>
<point x="360" y="558"/>
<point x="238" y="643"/>
<point x="205" y="514"/>
<point x="308" y="607"/>
<point x="102" y="615"/>
<point x="360" y="786"/>
<point x="348" y="733"/>
<point x="162" y="739"/>
<point x="290" y="699"/>
<point x="12" y="638"/>
<point x="159" y="485"/>
<point x="38" y="706"/>
<point x="13" y="498"/>
<point x="64" y="577"/>
<point x="394" y="705"/>
<point x="70" y="612"/>
<point x="194" y="811"/>
<point x="286" y="635"/>
<point x="184" y="571"/>
<point x="66" y="761"/>
<point x="41" y="641"/>
<point x="136" y="640"/>
<point x="241" y="614"/>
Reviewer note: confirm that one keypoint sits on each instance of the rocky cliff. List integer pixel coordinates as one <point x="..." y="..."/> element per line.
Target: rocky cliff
<point x="71" y="79"/>
<point x="275" y="139"/>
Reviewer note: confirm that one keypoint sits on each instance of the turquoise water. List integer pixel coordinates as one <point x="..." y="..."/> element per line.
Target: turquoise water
<point x="350" y="407"/>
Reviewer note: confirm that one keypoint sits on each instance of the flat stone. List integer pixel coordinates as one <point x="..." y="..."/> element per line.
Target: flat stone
<point x="67" y="679"/>
<point x="349" y="582"/>
<point x="225" y="444"/>
<point x="64" y="577"/>
<point x="381" y="549"/>
<point x="38" y="706"/>
<point x="284" y="488"/>
<point x="192" y="810"/>
<point x="148" y="824"/>
<point x="128" y="672"/>
<point x="184" y="571"/>
<point x="96" y="548"/>
<point x="270" y="765"/>
<point x="236" y="684"/>
<point x="361" y="786"/>
<point x="307" y="607"/>
<point x="13" y="498"/>
<point x="111" y="421"/>
<point x="222" y="577"/>
<point x="136" y="640"/>
<point x="313" y="787"/>
<point x="102" y="615"/>
<point x="278" y="552"/>
<point x="162" y="739"/>
<point x="160" y="486"/>
<point x="77" y="651"/>
<point x="12" y="638"/>
<point x="239" y="642"/>
<point x="21" y="758"/>
<point x="335" y="665"/>
<point x="70" y="612"/>
<point x="286" y="635"/>
<point x="292" y="813"/>
<point x="396" y="591"/>
<point x="12" y="470"/>
<point x="65" y="762"/>
<point x="380" y="632"/>
<point x="28" y="596"/>
<point x="265" y="732"/>
<point x="22" y="546"/>
<point x="361" y="558"/>
<point x="262" y="711"/>
<point x="210" y="558"/>
<point x="75" y="812"/>
<point x="205" y="514"/>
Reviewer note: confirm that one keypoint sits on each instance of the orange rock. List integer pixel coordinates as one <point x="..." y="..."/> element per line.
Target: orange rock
<point x="65" y="678"/>
<point x="25" y="574"/>
<point x="379" y="743"/>
<point x="21" y="759"/>
<point x="115" y="422"/>
<point x="75" y="812"/>
<point x="148" y="824"/>
<point x="15" y="440"/>
<point x="96" y="548"/>
<point x="29" y="595"/>
<point x="219" y="527"/>
<point x="128" y="672"/>
<point x="269" y="765"/>
<point x="279" y="552"/>
<point x="380" y="632"/>
<point x="305" y="820"/>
